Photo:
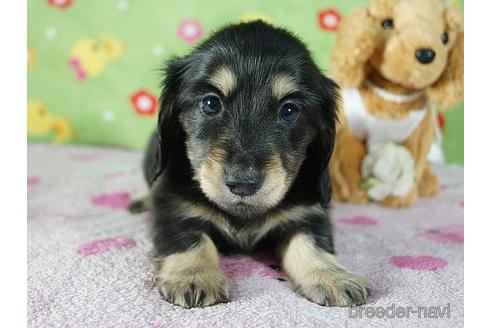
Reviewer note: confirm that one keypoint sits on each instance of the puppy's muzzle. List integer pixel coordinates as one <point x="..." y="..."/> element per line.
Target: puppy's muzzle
<point x="243" y="181"/>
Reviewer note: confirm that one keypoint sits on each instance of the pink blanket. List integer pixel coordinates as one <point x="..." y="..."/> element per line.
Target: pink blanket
<point x="87" y="263"/>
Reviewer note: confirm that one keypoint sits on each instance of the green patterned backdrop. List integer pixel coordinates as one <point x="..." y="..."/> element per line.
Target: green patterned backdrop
<point x="93" y="65"/>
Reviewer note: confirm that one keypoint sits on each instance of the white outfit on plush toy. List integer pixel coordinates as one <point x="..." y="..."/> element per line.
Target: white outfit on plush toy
<point x="388" y="166"/>
<point x="374" y="129"/>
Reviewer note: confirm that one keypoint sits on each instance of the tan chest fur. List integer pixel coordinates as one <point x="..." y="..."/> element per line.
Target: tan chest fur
<point x="246" y="238"/>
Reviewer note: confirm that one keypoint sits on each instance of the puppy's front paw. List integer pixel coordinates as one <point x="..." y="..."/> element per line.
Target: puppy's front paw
<point x="196" y="289"/>
<point x="334" y="288"/>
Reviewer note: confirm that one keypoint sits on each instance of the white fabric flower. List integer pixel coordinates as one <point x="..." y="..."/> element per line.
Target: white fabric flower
<point x="388" y="169"/>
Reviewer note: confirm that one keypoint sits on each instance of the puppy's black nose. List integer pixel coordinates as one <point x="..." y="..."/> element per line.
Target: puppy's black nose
<point x="243" y="182"/>
<point x="425" y="56"/>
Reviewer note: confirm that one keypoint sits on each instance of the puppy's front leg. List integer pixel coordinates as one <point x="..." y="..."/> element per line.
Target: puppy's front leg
<point x="192" y="278"/>
<point x="317" y="274"/>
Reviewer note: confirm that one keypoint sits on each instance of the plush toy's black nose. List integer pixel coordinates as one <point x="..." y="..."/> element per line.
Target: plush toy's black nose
<point x="243" y="182"/>
<point x="425" y="56"/>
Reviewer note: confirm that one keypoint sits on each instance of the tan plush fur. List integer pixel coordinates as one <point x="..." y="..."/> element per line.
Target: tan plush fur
<point x="364" y="50"/>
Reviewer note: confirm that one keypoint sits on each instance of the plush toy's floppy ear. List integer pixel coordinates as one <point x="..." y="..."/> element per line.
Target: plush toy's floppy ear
<point x="356" y="39"/>
<point x="449" y="89"/>
<point x="169" y="135"/>
<point x="323" y="145"/>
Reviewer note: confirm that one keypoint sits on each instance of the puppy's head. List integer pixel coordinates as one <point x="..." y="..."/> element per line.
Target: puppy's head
<point x="252" y="110"/>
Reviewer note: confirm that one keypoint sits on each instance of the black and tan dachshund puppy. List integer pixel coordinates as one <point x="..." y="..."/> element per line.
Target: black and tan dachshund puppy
<point x="239" y="163"/>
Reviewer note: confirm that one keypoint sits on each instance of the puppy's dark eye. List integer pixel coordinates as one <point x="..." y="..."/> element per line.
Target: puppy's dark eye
<point x="444" y="38"/>
<point x="288" y="113"/>
<point x="211" y="105"/>
<point x="388" y="24"/>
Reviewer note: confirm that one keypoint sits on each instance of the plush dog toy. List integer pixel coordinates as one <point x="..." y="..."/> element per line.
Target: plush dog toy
<point x="397" y="61"/>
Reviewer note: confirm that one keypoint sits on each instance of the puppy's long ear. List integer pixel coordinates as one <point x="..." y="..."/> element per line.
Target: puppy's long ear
<point x="356" y="40"/>
<point x="169" y="130"/>
<point x="325" y="141"/>
<point x="449" y="89"/>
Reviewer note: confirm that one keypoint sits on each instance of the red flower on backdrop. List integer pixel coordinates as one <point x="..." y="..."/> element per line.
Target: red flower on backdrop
<point x="144" y="103"/>
<point x="329" y="19"/>
<point x="441" y="121"/>
<point x="61" y="4"/>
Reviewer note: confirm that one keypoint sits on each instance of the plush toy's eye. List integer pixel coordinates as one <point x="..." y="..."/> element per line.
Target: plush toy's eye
<point x="444" y="38"/>
<point x="388" y="24"/>
<point x="211" y="105"/>
<point x="288" y="113"/>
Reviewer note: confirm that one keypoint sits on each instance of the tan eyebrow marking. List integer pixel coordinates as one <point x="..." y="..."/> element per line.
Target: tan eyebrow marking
<point x="224" y="80"/>
<point x="283" y="84"/>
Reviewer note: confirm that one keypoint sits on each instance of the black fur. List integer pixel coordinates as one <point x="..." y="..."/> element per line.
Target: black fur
<point x="256" y="53"/>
